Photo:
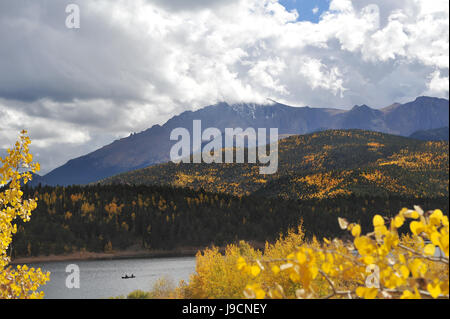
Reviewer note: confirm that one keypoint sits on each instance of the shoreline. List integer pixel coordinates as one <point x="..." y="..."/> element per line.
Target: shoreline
<point x="123" y="254"/>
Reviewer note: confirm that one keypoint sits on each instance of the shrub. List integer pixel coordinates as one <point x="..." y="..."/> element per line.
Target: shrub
<point x="216" y="275"/>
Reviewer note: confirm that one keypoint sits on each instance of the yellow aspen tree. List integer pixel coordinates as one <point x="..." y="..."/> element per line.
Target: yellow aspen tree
<point x="17" y="168"/>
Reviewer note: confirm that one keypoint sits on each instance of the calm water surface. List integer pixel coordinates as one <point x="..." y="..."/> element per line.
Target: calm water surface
<point x="102" y="279"/>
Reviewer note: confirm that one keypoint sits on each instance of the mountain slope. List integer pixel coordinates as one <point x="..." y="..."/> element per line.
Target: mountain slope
<point x="438" y="134"/>
<point x="422" y="114"/>
<point x="319" y="165"/>
<point x="152" y="146"/>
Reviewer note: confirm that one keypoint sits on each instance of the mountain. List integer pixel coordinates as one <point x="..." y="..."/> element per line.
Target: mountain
<point x="38" y="180"/>
<point x="423" y="114"/>
<point x="319" y="165"/>
<point x="152" y="146"/>
<point x="438" y="134"/>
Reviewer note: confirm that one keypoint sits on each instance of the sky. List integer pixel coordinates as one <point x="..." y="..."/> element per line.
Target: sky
<point x="308" y="10"/>
<point x="133" y="64"/>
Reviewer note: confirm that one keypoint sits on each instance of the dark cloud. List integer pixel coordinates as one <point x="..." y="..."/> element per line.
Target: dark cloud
<point x="41" y="58"/>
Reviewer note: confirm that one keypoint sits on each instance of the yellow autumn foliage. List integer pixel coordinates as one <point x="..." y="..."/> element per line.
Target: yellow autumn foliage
<point x="218" y="277"/>
<point x="381" y="264"/>
<point x="16" y="168"/>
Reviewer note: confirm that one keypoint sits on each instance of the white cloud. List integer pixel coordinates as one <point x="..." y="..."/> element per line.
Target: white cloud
<point x="137" y="63"/>
<point x="266" y="74"/>
<point x="319" y="76"/>
<point x="437" y="85"/>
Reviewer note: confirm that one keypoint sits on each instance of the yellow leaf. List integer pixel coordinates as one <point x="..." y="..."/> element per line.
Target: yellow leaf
<point x="275" y="269"/>
<point x="360" y="292"/>
<point x="418" y="268"/>
<point x="371" y="293"/>
<point x="314" y="271"/>
<point x="435" y="238"/>
<point x="436" y="217"/>
<point x="434" y="291"/>
<point x="404" y="271"/>
<point x="367" y="293"/>
<point x="301" y="257"/>
<point x="378" y="221"/>
<point x="356" y="231"/>
<point x="430" y="249"/>
<point x="295" y="277"/>
<point x="255" y="270"/>
<point x="326" y="267"/>
<point x="407" y="295"/>
<point x="411" y="214"/>
<point x="438" y="213"/>
<point x="260" y="294"/>
<point x="398" y="221"/>
<point x="416" y="227"/>
<point x="368" y="260"/>
<point x="254" y="291"/>
<point x="241" y="263"/>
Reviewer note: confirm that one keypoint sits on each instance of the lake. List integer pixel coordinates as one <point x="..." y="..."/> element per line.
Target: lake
<point x="103" y="278"/>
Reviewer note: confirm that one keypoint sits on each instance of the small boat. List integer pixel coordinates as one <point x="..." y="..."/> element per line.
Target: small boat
<point x="128" y="277"/>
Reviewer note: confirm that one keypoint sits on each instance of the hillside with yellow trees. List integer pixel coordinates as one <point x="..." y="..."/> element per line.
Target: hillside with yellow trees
<point x="321" y="165"/>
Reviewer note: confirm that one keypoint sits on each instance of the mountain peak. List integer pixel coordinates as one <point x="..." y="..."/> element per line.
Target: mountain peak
<point x="363" y="107"/>
<point x="425" y="98"/>
<point x="246" y="109"/>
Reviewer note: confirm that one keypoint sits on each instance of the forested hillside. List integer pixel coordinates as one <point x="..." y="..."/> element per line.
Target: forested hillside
<point x="320" y="165"/>
<point x="438" y="134"/>
<point x="117" y="217"/>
